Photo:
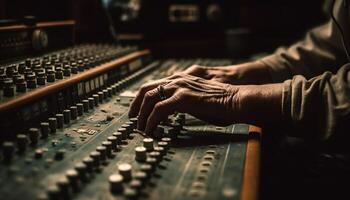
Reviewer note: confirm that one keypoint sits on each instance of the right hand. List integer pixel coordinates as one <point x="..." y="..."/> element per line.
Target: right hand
<point x="241" y="74"/>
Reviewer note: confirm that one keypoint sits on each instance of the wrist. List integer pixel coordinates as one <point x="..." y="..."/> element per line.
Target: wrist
<point x="260" y="104"/>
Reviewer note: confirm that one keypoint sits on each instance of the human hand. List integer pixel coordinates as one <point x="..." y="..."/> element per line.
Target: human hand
<point x="241" y="74"/>
<point x="211" y="101"/>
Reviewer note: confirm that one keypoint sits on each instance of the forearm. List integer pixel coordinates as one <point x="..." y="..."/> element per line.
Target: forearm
<point x="318" y="108"/>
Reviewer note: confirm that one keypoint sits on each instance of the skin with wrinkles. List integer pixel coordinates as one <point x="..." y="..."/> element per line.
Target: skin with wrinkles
<point x="206" y="98"/>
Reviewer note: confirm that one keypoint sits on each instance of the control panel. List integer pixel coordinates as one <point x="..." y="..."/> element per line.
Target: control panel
<point x="65" y="132"/>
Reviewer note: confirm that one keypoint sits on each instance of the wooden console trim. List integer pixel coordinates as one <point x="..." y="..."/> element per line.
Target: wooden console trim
<point x="251" y="176"/>
<point x="74" y="79"/>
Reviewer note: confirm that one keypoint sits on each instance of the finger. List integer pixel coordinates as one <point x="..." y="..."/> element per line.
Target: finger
<point x="135" y="105"/>
<point x="151" y="98"/>
<point x="160" y="112"/>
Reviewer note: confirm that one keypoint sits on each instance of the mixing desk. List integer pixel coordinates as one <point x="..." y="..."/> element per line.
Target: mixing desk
<point x="65" y="133"/>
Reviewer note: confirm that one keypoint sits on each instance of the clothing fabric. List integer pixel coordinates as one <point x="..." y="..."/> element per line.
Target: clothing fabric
<point x="316" y="80"/>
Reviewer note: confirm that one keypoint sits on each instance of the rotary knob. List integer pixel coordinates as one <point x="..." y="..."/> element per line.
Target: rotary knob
<point x="140" y="154"/>
<point x="148" y="144"/>
<point x="125" y="170"/>
<point x="116" y="183"/>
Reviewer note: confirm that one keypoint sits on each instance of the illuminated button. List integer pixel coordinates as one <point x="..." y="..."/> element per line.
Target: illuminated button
<point x="113" y="140"/>
<point x="103" y="152"/>
<point x="125" y="170"/>
<point x="66" y="116"/>
<point x="80" y="109"/>
<point x="53" y="124"/>
<point x="21" y="143"/>
<point x="74" y="112"/>
<point x="108" y="146"/>
<point x="8" y="149"/>
<point x="140" y="154"/>
<point x="45" y="129"/>
<point x="59" y="118"/>
<point x="148" y="144"/>
<point x="116" y="183"/>
<point x="33" y="136"/>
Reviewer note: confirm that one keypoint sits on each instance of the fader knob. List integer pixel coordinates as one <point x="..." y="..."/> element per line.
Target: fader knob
<point x="73" y="176"/>
<point x="96" y="158"/>
<point x="148" y="144"/>
<point x="45" y="129"/>
<point x="125" y="170"/>
<point x="113" y="140"/>
<point x="81" y="168"/>
<point x="33" y="136"/>
<point x="80" y="109"/>
<point x="22" y="141"/>
<point x="31" y="81"/>
<point x="53" y="124"/>
<point x="59" y="118"/>
<point x="140" y="154"/>
<point x="85" y="105"/>
<point x="9" y="89"/>
<point x="91" y="102"/>
<point x="108" y="146"/>
<point x="8" y="149"/>
<point x="66" y="116"/>
<point x="116" y="183"/>
<point x="74" y="112"/>
<point x="103" y="152"/>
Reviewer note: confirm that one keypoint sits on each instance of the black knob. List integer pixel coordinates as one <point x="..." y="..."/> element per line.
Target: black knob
<point x="41" y="78"/>
<point x="21" y="85"/>
<point x="33" y="136"/>
<point x="45" y="129"/>
<point x="80" y="109"/>
<point x="59" y="118"/>
<point x="53" y="124"/>
<point x="9" y="89"/>
<point x="8" y="149"/>
<point x="66" y="116"/>
<point x="74" y="112"/>
<point x="50" y="76"/>
<point x="22" y="142"/>
<point x="31" y="81"/>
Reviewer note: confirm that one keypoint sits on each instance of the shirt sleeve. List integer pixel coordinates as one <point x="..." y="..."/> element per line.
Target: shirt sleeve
<point x="318" y="108"/>
<point x="321" y="50"/>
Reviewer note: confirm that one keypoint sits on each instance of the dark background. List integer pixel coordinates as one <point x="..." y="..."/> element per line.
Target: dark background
<point x="267" y="24"/>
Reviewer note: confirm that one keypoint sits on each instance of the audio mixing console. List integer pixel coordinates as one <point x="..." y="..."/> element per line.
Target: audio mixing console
<point x="65" y="133"/>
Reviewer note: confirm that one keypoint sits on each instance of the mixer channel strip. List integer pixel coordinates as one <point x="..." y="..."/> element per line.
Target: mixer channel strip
<point x="75" y="140"/>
